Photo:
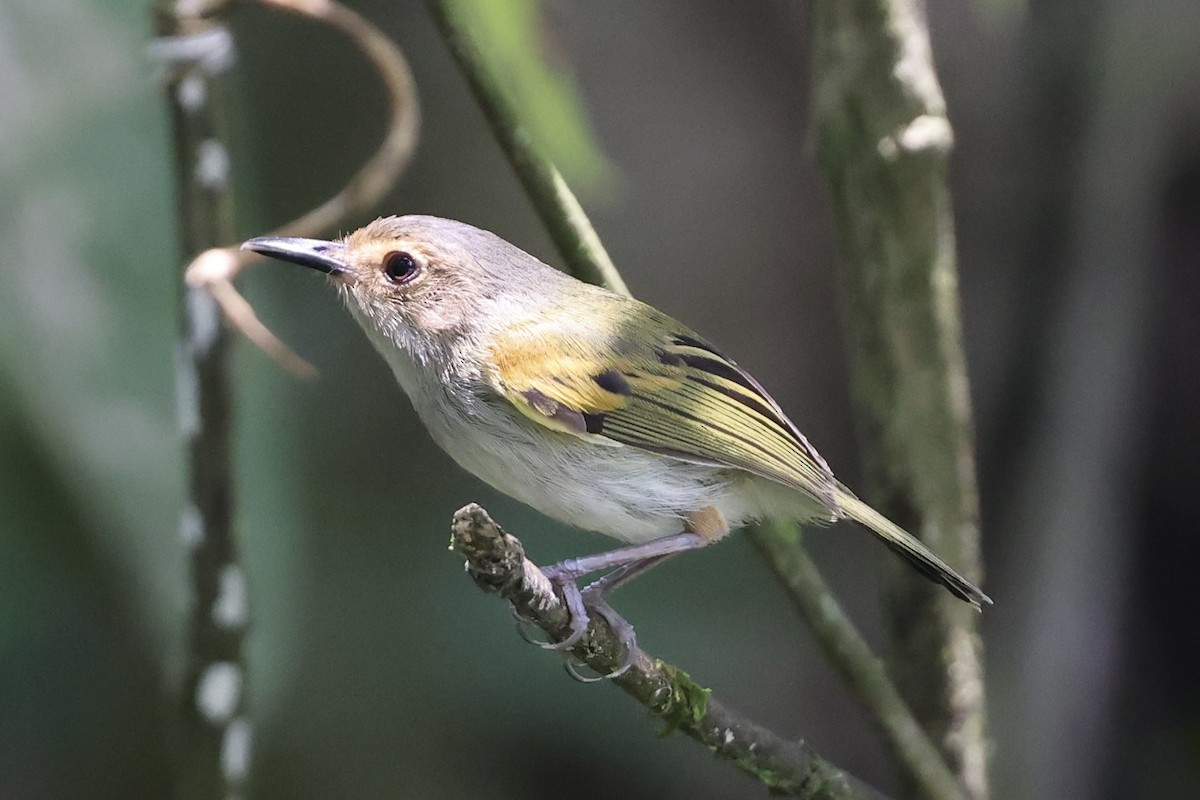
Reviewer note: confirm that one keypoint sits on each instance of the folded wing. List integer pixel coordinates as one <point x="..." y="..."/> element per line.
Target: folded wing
<point x="671" y="393"/>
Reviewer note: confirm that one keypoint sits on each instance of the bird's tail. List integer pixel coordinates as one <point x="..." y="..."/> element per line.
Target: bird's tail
<point x="918" y="555"/>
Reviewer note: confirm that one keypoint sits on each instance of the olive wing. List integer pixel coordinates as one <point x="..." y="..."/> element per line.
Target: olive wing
<point x="670" y="393"/>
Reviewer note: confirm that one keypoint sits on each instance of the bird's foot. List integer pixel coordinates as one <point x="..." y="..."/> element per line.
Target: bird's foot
<point x="576" y="607"/>
<point x="578" y="603"/>
<point x="621" y="628"/>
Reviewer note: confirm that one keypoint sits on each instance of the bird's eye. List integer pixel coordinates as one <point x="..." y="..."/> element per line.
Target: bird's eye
<point x="400" y="267"/>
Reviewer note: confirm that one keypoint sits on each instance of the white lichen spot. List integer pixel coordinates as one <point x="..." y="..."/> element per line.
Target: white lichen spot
<point x="191" y="527"/>
<point x="212" y="164"/>
<point x="235" y="751"/>
<point x="192" y="93"/>
<point x="219" y="691"/>
<point x="888" y="148"/>
<point x="543" y="591"/>
<point x="913" y="68"/>
<point x="210" y="50"/>
<point x="204" y="319"/>
<point x="928" y="132"/>
<point x="187" y="395"/>
<point x="728" y="737"/>
<point x="229" y="610"/>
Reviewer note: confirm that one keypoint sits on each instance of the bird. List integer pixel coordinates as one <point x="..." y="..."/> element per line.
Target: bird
<point x="594" y="408"/>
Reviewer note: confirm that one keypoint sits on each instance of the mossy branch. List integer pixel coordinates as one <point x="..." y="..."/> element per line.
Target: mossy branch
<point x="496" y="561"/>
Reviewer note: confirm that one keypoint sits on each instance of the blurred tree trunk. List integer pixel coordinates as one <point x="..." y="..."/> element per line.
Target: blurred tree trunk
<point x="213" y="729"/>
<point x="883" y="144"/>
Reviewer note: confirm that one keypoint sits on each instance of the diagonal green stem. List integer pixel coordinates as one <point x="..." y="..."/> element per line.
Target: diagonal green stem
<point x="557" y="206"/>
<point x="851" y="656"/>
<point x="496" y="561"/>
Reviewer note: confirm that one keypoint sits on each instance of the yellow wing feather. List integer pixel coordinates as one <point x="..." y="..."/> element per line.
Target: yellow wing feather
<point x="670" y="393"/>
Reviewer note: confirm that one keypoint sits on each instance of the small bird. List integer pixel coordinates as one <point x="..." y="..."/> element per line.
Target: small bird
<point x="593" y="408"/>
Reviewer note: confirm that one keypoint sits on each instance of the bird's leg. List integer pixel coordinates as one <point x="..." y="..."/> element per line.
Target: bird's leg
<point x="593" y="597"/>
<point x="626" y="563"/>
<point x="573" y="568"/>
<point x="623" y="575"/>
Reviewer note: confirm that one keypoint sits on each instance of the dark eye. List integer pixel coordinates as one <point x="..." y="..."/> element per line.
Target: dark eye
<point x="400" y="267"/>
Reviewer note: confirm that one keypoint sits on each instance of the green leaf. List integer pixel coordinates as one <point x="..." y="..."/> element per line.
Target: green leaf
<point x="514" y="39"/>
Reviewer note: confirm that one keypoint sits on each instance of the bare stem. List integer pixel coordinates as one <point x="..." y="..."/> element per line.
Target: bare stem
<point x="883" y="143"/>
<point x="497" y="563"/>
<point x="378" y="174"/>
<point x="214" y="734"/>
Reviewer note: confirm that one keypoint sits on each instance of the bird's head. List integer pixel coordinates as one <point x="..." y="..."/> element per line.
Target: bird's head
<point x="419" y="280"/>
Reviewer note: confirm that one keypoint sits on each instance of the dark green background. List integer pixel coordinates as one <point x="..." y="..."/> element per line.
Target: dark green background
<point x="377" y="670"/>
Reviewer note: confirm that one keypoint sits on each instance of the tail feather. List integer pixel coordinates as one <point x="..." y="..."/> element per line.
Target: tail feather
<point x="917" y="554"/>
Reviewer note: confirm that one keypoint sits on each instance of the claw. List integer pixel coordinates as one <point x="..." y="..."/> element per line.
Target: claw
<point x="578" y="602"/>
<point x="570" y="665"/>
<point x="573" y="599"/>
<point x="621" y="629"/>
<point x="525" y="628"/>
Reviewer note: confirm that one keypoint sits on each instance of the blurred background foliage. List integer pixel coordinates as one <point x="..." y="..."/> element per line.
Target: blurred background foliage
<point x="535" y="73"/>
<point x="376" y="669"/>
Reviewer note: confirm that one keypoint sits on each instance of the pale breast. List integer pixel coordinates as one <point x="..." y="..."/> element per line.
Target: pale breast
<point x="629" y="494"/>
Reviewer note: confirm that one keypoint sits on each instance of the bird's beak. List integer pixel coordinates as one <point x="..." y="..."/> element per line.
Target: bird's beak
<point x="327" y="257"/>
